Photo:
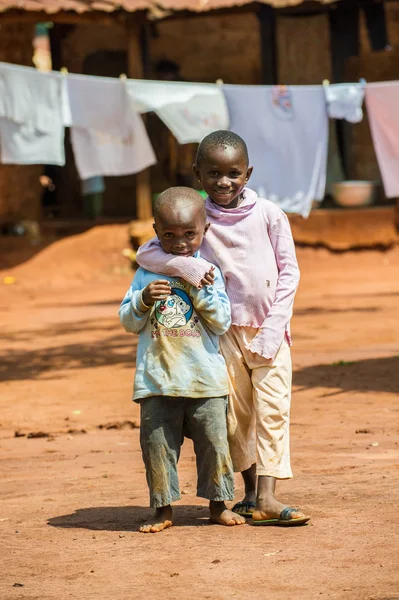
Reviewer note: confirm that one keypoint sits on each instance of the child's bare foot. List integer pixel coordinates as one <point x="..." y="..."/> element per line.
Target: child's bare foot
<point x="162" y="520"/>
<point x="219" y="513"/>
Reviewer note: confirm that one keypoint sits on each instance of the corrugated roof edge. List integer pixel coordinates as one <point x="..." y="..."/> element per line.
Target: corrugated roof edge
<point x="86" y="7"/>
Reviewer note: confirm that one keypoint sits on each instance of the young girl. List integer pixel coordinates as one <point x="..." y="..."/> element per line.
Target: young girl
<point x="250" y="240"/>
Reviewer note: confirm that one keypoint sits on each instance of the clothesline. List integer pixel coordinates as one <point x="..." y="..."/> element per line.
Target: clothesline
<point x="285" y="127"/>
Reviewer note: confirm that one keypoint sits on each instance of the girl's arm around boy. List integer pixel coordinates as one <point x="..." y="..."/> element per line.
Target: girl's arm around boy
<point x="212" y="304"/>
<point x="151" y="256"/>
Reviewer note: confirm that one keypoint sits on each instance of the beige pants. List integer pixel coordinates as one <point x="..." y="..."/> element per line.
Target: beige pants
<point x="259" y="405"/>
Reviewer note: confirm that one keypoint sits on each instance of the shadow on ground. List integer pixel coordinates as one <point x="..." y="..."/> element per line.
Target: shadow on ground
<point x="116" y="302"/>
<point x="374" y="374"/>
<point x="320" y="310"/>
<point x="52" y="332"/>
<point x="24" y="364"/>
<point x="17" y="250"/>
<point x="126" y="518"/>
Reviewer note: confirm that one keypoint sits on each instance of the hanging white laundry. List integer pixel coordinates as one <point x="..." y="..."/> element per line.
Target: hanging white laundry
<point x="98" y="103"/>
<point x="25" y="145"/>
<point x="98" y="153"/>
<point x="31" y="116"/>
<point x="108" y="136"/>
<point x="65" y="103"/>
<point x="345" y="101"/>
<point x="286" y="130"/>
<point x="189" y="110"/>
<point x="149" y="96"/>
<point x="382" y="102"/>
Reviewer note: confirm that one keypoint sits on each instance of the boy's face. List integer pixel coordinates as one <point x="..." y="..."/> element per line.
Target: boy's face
<point x="181" y="231"/>
<point x="224" y="173"/>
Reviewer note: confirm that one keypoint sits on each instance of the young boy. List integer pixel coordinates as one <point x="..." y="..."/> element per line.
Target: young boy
<point x="250" y="240"/>
<point x="181" y="378"/>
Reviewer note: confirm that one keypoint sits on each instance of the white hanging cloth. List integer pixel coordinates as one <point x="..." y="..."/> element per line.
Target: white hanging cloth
<point x="108" y="136"/>
<point x="190" y="110"/>
<point x="286" y="130"/>
<point x="31" y="116"/>
<point x="345" y="101"/>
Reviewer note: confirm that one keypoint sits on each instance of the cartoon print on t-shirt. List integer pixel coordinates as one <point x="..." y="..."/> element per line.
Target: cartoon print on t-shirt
<point x="175" y="311"/>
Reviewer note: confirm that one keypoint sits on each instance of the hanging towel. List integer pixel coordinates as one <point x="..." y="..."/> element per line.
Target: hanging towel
<point x="382" y="102"/>
<point x="345" y="101"/>
<point x="286" y="130"/>
<point x="99" y="153"/>
<point x="189" y="110"/>
<point x="31" y="116"/>
<point x="98" y="103"/>
<point x="25" y="145"/>
<point x="108" y="136"/>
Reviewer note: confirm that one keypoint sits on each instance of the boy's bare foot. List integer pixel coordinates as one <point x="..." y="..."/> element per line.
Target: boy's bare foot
<point x="219" y="513"/>
<point x="162" y="520"/>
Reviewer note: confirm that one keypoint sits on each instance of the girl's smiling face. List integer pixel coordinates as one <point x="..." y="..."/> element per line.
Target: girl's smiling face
<point x="224" y="173"/>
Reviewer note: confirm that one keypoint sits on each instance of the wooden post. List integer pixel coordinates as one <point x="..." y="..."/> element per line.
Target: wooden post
<point x="135" y="71"/>
<point x="343" y="44"/>
<point x="267" y="28"/>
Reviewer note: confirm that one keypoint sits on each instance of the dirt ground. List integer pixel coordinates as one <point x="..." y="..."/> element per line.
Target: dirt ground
<point x="71" y="502"/>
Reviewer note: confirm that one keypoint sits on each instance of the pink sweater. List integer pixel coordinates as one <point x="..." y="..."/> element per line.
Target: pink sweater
<point x="253" y="246"/>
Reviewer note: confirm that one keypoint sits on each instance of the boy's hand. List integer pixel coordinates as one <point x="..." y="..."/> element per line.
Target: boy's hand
<point x="208" y="279"/>
<point x="156" y="290"/>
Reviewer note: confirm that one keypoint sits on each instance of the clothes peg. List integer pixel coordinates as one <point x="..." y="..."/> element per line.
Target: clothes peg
<point x="326" y="82"/>
<point x="219" y="82"/>
<point x="123" y="77"/>
<point x="64" y="70"/>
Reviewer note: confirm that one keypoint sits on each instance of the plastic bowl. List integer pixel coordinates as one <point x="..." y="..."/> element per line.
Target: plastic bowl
<point x="352" y="194"/>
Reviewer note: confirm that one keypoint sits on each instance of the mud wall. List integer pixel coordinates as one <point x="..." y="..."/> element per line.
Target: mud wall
<point x="20" y="190"/>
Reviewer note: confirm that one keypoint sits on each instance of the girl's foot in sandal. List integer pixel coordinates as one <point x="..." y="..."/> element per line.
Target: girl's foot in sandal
<point x="289" y="517"/>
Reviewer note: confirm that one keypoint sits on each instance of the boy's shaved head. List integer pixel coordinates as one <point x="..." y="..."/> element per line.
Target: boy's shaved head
<point x="179" y="199"/>
<point x="180" y="221"/>
<point x="221" y="138"/>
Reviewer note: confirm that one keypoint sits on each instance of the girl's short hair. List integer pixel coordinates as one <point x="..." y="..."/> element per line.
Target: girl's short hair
<point x="221" y="138"/>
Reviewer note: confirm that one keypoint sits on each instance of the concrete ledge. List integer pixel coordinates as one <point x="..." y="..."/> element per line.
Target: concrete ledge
<point x="335" y="229"/>
<point x="344" y="229"/>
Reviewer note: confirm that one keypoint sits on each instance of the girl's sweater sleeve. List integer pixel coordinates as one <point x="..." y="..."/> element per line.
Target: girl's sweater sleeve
<point x="133" y="313"/>
<point x="152" y="258"/>
<point x="271" y="334"/>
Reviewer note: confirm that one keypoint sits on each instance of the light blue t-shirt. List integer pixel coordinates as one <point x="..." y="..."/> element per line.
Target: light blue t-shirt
<point x="178" y="349"/>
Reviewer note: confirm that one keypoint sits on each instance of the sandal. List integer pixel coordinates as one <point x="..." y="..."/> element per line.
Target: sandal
<point x="285" y="519"/>
<point x="243" y="509"/>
